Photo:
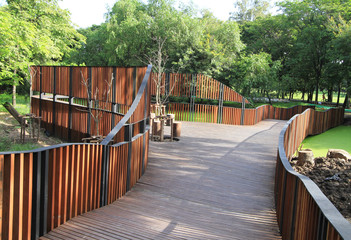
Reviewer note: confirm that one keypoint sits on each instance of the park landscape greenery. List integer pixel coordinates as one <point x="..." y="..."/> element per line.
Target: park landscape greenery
<point x="304" y="47"/>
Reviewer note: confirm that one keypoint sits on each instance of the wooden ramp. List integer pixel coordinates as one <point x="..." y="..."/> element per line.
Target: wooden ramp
<point x="215" y="183"/>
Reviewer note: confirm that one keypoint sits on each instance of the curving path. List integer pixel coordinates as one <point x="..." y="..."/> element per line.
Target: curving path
<point x="215" y="183"/>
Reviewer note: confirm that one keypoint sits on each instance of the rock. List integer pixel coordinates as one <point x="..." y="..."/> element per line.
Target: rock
<point x="339" y="153"/>
<point x="305" y="156"/>
<point x="318" y="160"/>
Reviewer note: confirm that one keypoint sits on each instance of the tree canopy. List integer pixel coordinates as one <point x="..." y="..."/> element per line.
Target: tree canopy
<point x="303" y="47"/>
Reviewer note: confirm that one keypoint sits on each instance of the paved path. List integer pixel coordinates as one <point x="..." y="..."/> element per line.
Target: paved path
<point x="215" y="183"/>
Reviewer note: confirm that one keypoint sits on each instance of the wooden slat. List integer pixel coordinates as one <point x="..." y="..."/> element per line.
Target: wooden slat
<point x="190" y="191"/>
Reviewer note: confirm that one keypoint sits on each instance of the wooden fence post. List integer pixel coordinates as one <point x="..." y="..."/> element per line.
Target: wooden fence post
<point x="243" y="112"/>
<point x="54" y="105"/>
<point x="104" y="175"/>
<point x="89" y="101"/>
<point x="128" y="138"/>
<point x="192" y="97"/>
<point x="220" y="103"/>
<point x="114" y="102"/>
<point x="40" y="90"/>
<point x="70" y="101"/>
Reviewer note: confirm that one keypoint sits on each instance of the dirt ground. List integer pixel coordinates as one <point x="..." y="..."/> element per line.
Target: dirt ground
<point x="333" y="177"/>
<point x="10" y="135"/>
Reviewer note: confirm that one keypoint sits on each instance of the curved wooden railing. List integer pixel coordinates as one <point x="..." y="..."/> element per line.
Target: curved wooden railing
<point x="43" y="188"/>
<point x="303" y="211"/>
<point x="232" y="115"/>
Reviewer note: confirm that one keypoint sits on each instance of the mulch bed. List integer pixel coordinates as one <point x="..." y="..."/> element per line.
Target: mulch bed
<point x="333" y="177"/>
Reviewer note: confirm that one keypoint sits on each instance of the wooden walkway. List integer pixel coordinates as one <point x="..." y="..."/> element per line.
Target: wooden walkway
<point x="215" y="183"/>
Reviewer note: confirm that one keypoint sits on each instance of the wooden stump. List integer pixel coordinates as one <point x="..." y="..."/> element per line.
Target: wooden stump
<point x="169" y="117"/>
<point x="156" y="128"/>
<point x="152" y="117"/>
<point x="177" y="127"/>
<point x="305" y="156"/>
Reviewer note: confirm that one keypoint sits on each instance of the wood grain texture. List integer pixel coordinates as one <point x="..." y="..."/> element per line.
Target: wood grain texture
<point x="215" y="183"/>
<point x="303" y="211"/>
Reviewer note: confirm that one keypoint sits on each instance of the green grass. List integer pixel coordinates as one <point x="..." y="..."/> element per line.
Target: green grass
<point x="283" y="104"/>
<point x="6" y="146"/>
<point x="298" y="96"/>
<point x="22" y="105"/>
<point x="337" y="138"/>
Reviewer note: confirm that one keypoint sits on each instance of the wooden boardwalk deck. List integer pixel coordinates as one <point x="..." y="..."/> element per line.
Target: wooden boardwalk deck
<point x="215" y="183"/>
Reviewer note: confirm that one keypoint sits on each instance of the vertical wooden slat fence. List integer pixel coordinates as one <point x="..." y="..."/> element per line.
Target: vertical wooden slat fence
<point x="194" y="85"/>
<point x="42" y="189"/>
<point x="63" y="103"/>
<point x="303" y="211"/>
<point x="231" y="115"/>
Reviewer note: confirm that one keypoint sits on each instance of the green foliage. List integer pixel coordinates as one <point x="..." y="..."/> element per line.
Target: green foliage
<point x="256" y="71"/>
<point x="249" y="10"/>
<point x="22" y="105"/>
<point x="33" y="32"/>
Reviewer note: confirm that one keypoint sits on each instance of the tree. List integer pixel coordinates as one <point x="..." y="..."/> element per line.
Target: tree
<point x="37" y="32"/>
<point x="94" y="51"/>
<point x="309" y="53"/>
<point x="249" y="10"/>
<point x="340" y="55"/>
<point x="15" y="41"/>
<point x="256" y="72"/>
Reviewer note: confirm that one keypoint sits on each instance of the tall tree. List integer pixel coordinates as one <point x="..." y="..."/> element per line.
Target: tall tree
<point x="249" y="10"/>
<point x="38" y="32"/>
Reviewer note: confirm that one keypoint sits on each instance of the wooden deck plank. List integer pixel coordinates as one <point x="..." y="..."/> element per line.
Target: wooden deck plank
<point x="215" y="183"/>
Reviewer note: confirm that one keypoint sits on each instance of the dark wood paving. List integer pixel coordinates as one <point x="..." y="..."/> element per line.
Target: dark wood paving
<point x="215" y="183"/>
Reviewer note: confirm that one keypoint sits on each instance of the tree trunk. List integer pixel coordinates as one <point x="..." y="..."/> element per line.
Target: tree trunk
<point x="310" y="96"/>
<point x="317" y="88"/>
<point x="269" y="98"/>
<point x="14" y="90"/>
<point x="97" y="128"/>
<point x="14" y="94"/>
<point x="330" y="95"/>
<point x="345" y="105"/>
<point x="303" y="95"/>
<point x="339" y="90"/>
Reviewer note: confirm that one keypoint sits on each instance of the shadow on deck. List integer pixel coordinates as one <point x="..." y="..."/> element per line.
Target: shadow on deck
<point x="215" y="183"/>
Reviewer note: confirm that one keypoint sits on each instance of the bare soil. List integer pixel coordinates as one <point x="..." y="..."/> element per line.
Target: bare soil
<point x="10" y="135"/>
<point x="333" y="177"/>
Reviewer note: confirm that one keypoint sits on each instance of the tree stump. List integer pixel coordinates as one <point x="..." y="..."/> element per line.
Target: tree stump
<point x="177" y="127"/>
<point x="339" y="153"/>
<point x="156" y="128"/>
<point x="305" y="156"/>
<point x="169" y="117"/>
<point x="152" y="117"/>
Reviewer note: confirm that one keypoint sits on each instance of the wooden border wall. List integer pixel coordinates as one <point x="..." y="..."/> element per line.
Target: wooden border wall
<point x="62" y="98"/>
<point x="43" y="188"/>
<point x="231" y="115"/>
<point x="303" y="211"/>
<point x="195" y="86"/>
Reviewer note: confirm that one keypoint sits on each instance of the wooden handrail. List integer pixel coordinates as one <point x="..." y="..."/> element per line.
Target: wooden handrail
<point x="131" y="110"/>
<point x="43" y="188"/>
<point x="303" y="211"/>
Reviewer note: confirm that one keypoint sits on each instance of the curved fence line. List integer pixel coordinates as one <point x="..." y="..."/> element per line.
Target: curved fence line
<point x="194" y="86"/>
<point x="43" y="188"/>
<point x="231" y="115"/>
<point x="303" y="211"/>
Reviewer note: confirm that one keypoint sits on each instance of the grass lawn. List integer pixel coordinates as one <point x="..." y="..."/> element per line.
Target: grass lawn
<point x="22" y="105"/>
<point x="298" y="96"/>
<point x="283" y="104"/>
<point x="337" y="138"/>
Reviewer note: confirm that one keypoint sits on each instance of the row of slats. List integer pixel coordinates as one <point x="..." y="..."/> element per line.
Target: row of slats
<point x="299" y="216"/>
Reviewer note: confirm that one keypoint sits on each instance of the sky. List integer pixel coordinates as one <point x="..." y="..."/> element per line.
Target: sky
<point x="85" y="13"/>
